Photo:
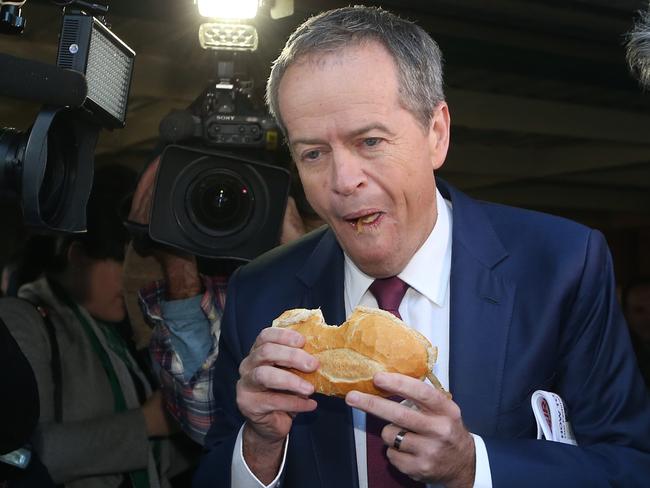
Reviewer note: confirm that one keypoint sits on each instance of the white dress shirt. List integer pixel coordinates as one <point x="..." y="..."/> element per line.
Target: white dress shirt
<point x="425" y="307"/>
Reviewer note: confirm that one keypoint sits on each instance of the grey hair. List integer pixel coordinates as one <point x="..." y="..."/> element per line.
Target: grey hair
<point x="417" y="56"/>
<point x="638" y="49"/>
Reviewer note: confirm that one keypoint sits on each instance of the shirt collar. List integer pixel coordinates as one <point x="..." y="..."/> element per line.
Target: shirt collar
<point x="428" y="271"/>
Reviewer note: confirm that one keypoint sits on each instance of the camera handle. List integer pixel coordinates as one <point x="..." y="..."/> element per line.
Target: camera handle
<point x="221" y="100"/>
<point x="231" y="81"/>
<point x="12" y="21"/>
<point x="90" y="7"/>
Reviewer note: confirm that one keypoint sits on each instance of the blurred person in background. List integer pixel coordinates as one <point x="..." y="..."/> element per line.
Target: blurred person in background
<point x="101" y="422"/>
<point x="638" y="48"/>
<point x="19" y="413"/>
<point x="635" y="297"/>
<point x="185" y="309"/>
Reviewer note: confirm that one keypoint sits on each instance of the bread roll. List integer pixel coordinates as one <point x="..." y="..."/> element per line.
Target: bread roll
<point x="370" y="341"/>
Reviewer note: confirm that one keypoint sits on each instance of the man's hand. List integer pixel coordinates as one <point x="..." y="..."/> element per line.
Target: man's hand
<point x="157" y="421"/>
<point x="293" y="226"/>
<point x="143" y="195"/>
<point x="270" y="396"/>
<point x="436" y="448"/>
<point x="180" y="269"/>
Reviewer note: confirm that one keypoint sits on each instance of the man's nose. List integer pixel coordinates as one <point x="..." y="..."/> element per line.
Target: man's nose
<point x="348" y="173"/>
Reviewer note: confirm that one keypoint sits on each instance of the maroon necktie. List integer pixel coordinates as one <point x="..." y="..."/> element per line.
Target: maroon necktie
<point x="381" y="474"/>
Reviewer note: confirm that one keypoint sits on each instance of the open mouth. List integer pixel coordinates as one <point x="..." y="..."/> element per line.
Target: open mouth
<point x="364" y="221"/>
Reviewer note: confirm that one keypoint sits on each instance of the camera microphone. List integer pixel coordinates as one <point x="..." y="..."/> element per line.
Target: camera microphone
<point x="40" y="82"/>
<point x="178" y="126"/>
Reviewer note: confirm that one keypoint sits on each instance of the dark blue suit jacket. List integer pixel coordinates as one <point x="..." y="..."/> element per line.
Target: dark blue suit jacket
<point x="532" y="307"/>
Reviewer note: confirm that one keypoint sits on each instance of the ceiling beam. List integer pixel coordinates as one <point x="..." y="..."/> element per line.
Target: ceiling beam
<point x="490" y="111"/>
<point x="579" y="197"/>
<point x="498" y="164"/>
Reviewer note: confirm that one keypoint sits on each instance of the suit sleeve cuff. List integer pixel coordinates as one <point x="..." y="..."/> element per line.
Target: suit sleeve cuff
<point x="240" y="474"/>
<point x="483" y="476"/>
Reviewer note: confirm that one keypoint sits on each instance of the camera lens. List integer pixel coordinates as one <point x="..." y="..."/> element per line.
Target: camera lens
<point x="12" y="151"/>
<point x="53" y="188"/>
<point x="220" y="202"/>
<point x="59" y="176"/>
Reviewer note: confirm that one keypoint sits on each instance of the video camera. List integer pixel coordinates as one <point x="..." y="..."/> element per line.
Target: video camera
<point x="225" y="114"/>
<point x="50" y="166"/>
<point x="222" y="195"/>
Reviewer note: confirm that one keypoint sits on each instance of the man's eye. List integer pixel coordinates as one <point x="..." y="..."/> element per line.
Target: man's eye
<point x="311" y="155"/>
<point x="371" y="141"/>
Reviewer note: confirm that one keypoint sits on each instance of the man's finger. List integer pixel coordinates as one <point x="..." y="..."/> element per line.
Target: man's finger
<point x="257" y="405"/>
<point x="400" y="439"/>
<point x="286" y="357"/>
<point x="407" y="463"/>
<point x="386" y="409"/>
<point x="426" y="397"/>
<point x="266" y="377"/>
<point x="279" y="335"/>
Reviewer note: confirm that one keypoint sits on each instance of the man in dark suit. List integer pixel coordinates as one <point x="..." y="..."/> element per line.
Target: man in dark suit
<point x="516" y="301"/>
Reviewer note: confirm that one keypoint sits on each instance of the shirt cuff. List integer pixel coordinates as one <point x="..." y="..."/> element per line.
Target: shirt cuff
<point x="240" y="474"/>
<point x="483" y="475"/>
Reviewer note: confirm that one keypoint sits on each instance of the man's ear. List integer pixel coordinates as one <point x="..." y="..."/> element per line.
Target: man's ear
<point x="76" y="254"/>
<point x="439" y="135"/>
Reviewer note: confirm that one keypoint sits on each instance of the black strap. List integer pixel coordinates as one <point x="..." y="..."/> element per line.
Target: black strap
<point x="139" y="477"/>
<point x="55" y="360"/>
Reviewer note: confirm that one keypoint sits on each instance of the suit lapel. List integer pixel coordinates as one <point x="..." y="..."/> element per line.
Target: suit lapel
<point x="331" y="430"/>
<point x="322" y="275"/>
<point x="481" y="304"/>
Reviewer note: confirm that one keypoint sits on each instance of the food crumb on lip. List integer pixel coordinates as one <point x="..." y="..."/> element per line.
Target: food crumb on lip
<point x="364" y="221"/>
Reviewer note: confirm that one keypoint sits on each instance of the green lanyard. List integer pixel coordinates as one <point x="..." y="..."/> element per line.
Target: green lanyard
<point x="139" y="477"/>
